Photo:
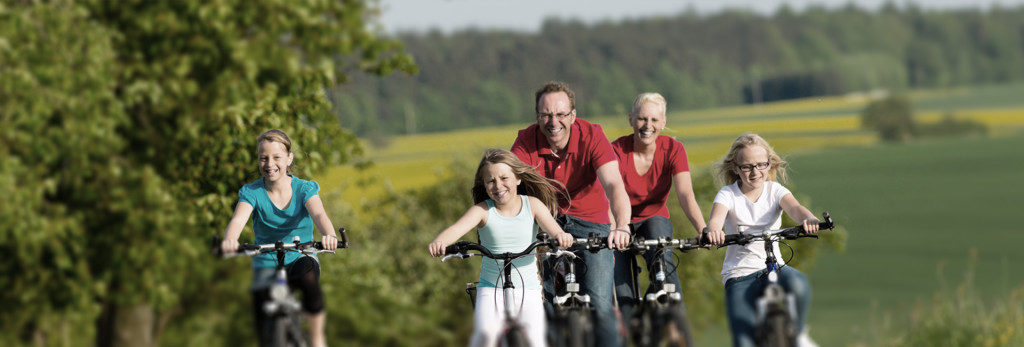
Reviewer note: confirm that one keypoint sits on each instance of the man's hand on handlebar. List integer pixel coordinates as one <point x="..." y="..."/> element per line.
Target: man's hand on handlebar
<point x="618" y="239"/>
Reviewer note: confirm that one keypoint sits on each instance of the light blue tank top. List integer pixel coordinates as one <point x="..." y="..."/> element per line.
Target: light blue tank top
<point x="509" y="234"/>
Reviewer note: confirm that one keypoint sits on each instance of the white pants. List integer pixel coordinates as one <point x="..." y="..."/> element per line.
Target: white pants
<point x="489" y="317"/>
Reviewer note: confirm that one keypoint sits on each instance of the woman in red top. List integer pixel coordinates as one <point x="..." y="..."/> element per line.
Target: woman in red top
<point x="650" y="164"/>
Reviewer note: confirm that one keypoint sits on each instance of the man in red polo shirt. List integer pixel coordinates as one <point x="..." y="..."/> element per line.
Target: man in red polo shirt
<point x="577" y="154"/>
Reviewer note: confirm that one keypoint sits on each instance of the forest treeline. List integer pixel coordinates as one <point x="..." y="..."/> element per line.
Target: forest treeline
<point x="478" y="78"/>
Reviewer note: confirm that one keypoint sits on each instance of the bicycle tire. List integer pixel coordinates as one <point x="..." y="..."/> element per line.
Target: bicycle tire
<point x="287" y="331"/>
<point x="580" y="329"/>
<point x="513" y="337"/>
<point x="675" y="328"/>
<point x="776" y="330"/>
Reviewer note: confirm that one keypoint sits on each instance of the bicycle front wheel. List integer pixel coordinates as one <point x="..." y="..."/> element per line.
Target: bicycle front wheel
<point x="513" y="337"/>
<point x="777" y="330"/>
<point x="675" y="328"/>
<point x="579" y="328"/>
<point x="288" y="331"/>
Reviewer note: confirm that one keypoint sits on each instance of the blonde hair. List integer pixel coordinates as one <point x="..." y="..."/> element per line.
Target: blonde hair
<point x="726" y="169"/>
<point x="531" y="183"/>
<point x="653" y="98"/>
<point x="276" y="135"/>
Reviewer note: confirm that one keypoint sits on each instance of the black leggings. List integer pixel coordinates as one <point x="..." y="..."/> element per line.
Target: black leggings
<point x="304" y="276"/>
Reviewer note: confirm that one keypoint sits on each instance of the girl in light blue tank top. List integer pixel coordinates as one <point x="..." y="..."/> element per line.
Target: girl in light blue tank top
<point x="509" y="234"/>
<point x="507" y="222"/>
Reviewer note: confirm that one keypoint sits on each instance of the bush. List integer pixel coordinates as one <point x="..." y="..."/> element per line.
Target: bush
<point x="951" y="126"/>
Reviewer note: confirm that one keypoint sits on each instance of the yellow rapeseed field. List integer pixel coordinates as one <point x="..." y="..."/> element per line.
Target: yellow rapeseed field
<point x="795" y="126"/>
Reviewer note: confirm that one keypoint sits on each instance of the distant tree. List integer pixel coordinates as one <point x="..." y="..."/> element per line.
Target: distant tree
<point x="127" y="128"/>
<point x="892" y="117"/>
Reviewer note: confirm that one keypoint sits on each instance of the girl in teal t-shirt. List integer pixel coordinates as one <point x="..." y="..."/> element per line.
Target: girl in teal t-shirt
<point x="282" y="206"/>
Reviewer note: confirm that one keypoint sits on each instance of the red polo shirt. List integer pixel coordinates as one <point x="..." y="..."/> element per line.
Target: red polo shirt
<point x="587" y="150"/>
<point x="648" y="192"/>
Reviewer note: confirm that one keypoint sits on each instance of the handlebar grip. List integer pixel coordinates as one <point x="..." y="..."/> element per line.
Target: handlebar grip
<point x="457" y="247"/>
<point x="734" y="238"/>
<point x="827" y="223"/>
<point x="344" y="238"/>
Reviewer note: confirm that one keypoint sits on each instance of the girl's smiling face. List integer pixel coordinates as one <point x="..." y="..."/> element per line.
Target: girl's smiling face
<point x="500" y="183"/>
<point x="752" y="166"/>
<point x="274" y="160"/>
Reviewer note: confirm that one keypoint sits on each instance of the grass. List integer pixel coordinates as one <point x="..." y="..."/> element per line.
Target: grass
<point x="913" y="213"/>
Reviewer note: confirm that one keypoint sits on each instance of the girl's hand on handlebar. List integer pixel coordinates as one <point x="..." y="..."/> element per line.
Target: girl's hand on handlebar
<point x="811" y="225"/>
<point x="437" y="248"/>
<point x="330" y="242"/>
<point x="229" y="246"/>
<point x="564" y="240"/>
<point x="716" y="237"/>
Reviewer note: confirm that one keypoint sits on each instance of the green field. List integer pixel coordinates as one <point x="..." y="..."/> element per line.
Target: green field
<point x="914" y="214"/>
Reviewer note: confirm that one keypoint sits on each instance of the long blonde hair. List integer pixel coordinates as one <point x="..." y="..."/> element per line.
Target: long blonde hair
<point x="726" y="169"/>
<point x="531" y="183"/>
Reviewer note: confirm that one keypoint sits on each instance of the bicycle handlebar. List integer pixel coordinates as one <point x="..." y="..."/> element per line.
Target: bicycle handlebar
<point x="787" y="233"/>
<point x="252" y="249"/>
<point x="461" y="249"/>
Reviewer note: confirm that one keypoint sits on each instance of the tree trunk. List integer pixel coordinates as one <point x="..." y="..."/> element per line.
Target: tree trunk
<point x="129" y="326"/>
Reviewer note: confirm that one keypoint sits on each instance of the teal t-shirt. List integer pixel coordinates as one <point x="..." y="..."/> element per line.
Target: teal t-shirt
<point x="271" y="224"/>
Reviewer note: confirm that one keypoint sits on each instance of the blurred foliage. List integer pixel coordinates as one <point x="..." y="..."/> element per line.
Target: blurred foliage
<point x="127" y="128"/>
<point x="474" y="77"/>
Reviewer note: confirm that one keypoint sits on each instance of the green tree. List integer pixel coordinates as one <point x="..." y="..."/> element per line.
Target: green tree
<point x="127" y="128"/>
<point x="892" y="117"/>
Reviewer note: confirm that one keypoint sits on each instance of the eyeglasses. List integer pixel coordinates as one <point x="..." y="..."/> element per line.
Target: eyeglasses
<point x="751" y="167"/>
<point x="554" y="115"/>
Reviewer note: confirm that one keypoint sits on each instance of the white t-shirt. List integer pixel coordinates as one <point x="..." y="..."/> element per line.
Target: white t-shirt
<point x="748" y="216"/>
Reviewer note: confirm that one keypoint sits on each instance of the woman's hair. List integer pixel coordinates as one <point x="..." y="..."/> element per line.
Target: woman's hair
<point x="653" y="98"/>
<point x="275" y="135"/>
<point x="726" y="169"/>
<point x="531" y="183"/>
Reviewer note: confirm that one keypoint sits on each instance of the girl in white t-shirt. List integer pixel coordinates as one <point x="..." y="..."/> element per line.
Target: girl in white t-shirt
<point x="511" y="201"/>
<point x="752" y="199"/>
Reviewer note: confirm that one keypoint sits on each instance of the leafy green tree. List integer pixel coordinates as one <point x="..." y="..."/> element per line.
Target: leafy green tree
<point x="127" y="129"/>
<point x="892" y="117"/>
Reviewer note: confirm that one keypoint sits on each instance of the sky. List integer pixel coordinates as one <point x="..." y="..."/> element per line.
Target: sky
<point x="527" y="15"/>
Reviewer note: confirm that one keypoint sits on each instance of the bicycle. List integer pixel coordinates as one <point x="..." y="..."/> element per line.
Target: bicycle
<point x="572" y="317"/>
<point x="512" y="333"/>
<point x="661" y="316"/>
<point x="776" y="309"/>
<point x="283" y="308"/>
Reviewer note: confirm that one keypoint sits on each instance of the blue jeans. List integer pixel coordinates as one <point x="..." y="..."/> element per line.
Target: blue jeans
<point x="650" y="228"/>
<point x="741" y="295"/>
<point x="597" y="282"/>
